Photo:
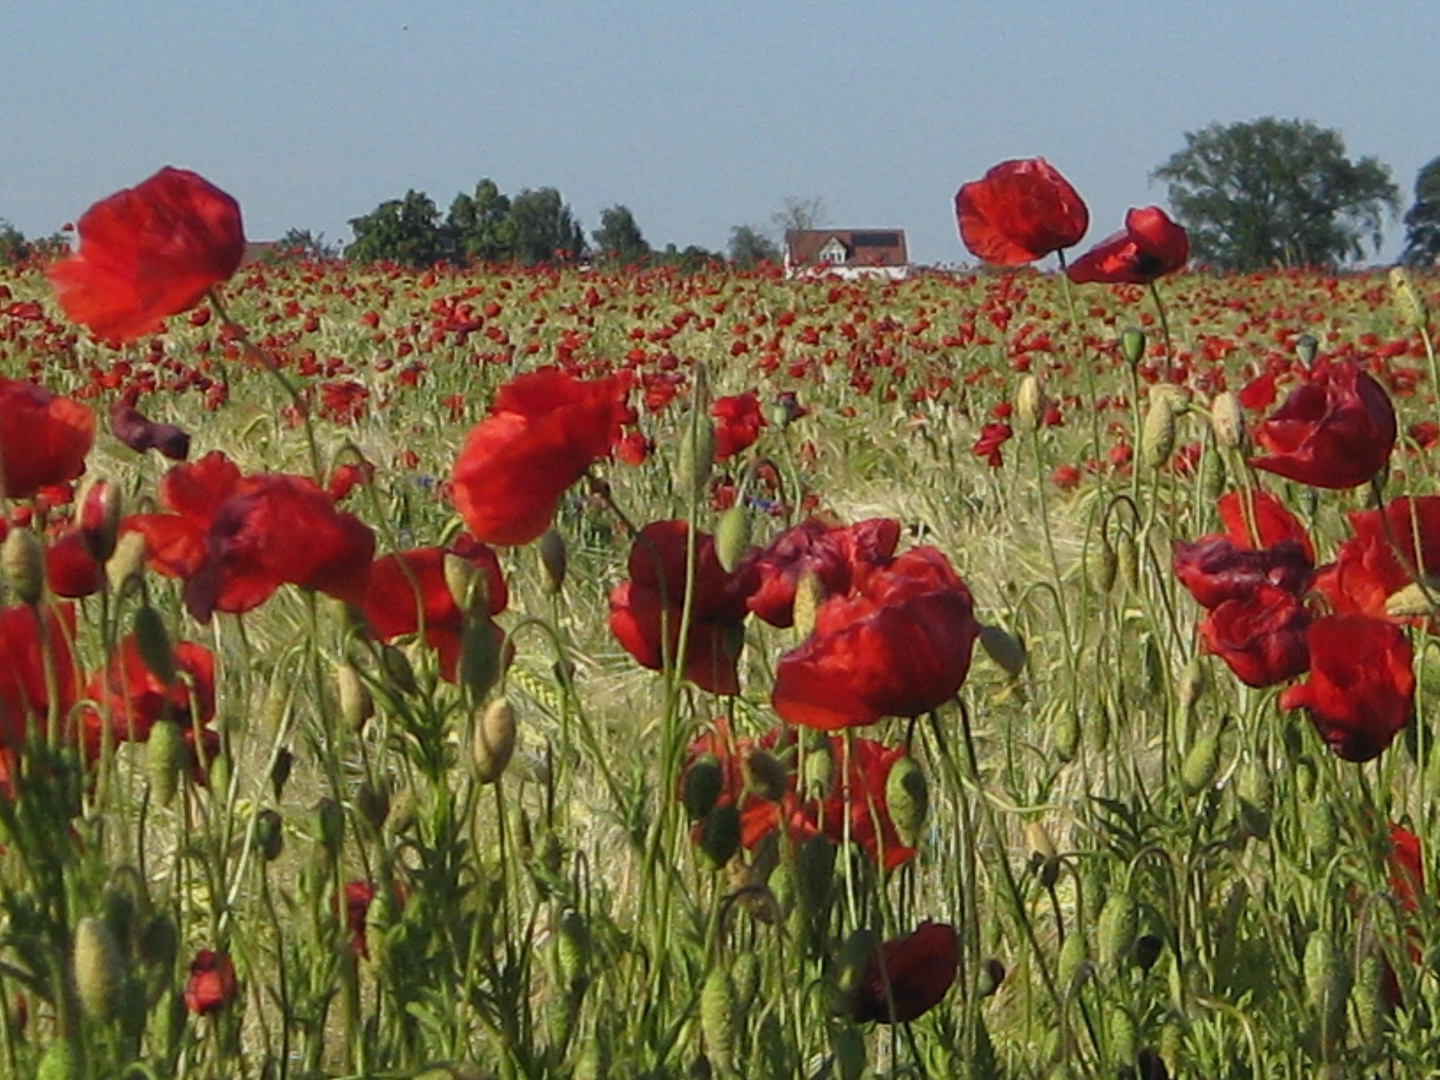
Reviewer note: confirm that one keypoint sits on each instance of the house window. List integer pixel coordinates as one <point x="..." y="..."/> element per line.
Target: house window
<point x="832" y="252"/>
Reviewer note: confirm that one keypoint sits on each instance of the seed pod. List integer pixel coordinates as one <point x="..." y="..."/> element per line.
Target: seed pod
<point x="814" y="874"/>
<point x="1029" y="403"/>
<point x="269" y="835"/>
<point x="165" y="758"/>
<point x="992" y="974"/>
<point x="1327" y="982"/>
<point x="127" y="562"/>
<point x="493" y="742"/>
<point x="330" y="827"/>
<point x="1004" y="648"/>
<point x="907" y="797"/>
<point x="720" y="835"/>
<point x="765" y="775"/>
<point x="1157" y="436"/>
<point x="809" y="595"/>
<point x="1322" y="831"/>
<point x="701" y="785"/>
<point x="848" y="1044"/>
<point x="1132" y="346"/>
<point x="1070" y="965"/>
<point x="1409" y="304"/>
<point x="732" y="537"/>
<point x="572" y="948"/>
<point x="1227" y="421"/>
<point x="1122" y="1037"/>
<point x="153" y="642"/>
<point x="1101" y="564"/>
<point x="398" y="672"/>
<point x="22" y="564"/>
<point x="697" y="455"/>
<point x="99" y="969"/>
<point x="1201" y="763"/>
<point x="718" y="1019"/>
<point x="1115" y="933"/>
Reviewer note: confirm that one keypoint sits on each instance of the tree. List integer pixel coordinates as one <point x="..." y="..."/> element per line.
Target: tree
<point x="545" y="229"/>
<point x="1268" y="191"/>
<point x="748" y="246"/>
<point x="1422" y="221"/>
<point x="405" y="231"/>
<point x="479" y="228"/>
<point x="307" y="245"/>
<point x="691" y="260"/>
<point x="618" y="240"/>
<point x="14" y="248"/>
<point x="800" y="215"/>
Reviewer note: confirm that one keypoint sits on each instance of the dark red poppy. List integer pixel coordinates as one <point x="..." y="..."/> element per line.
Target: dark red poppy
<point x="358" y="895"/>
<point x="192" y="493"/>
<point x="1335" y="430"/>
<point x="739" y="423"/>
<point x="140" y="433"/>
<point x="1260" y="634"/>
<point x="211" y="985"/>
<point x="26" y="639"/>
<point x="43" y="438"/>
<point x="857" y="801"/>
<point x="1149" y="247"/>
<point x="1361" y="689"/>
<point x="898" y="645"/>
<point x="1407" y="870"/>
<point x="130" y="698"/>
<point x="70" y="570"/>
<point x="1385" y="553"/>
<point x="277" y="529"/>
<point x="840" y="556"/>
<point x="408" y="591"/>
<point x="645" y="611"/>
<point x="1272" y="522"/>
<point x="544" y="430"/>
<point x="992" y="437"/>
<point x="1216" y="570"/>
<point x="1018" y="212"/>
<point x="147" y="253"/>
<point x="908" y="976"/>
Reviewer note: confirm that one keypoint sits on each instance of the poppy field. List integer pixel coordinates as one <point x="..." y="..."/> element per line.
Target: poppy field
<point x="553" y="672"/>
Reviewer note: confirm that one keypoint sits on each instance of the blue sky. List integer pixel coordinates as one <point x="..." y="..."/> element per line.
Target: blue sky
<point x="699" y="117"/>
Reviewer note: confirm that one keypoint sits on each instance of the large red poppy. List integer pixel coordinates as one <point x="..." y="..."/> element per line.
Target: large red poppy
<point x="1149" y="247"/>
<point x="43" y="438"/>
<point x="1361" y="689"/>
<point x="130" y="697"/>
<point x="1018" y="212"/>
<point x="1335" y="430"/>
<point x="1388" y="550"/>
<point x="909" y="976"/>
<point x="899" y="645"/>
<point x="1240" y="511"/>
<point x="149" y="252"/>
<point x="544" y="430"/>
<point x="192" y="493"/>
<point x="645" y="612"/>
<point x="1260" y="635"/>
<point x="1215" y="569"/>
<point x="839" y="556"/>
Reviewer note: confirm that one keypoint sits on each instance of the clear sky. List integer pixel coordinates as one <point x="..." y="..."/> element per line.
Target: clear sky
<point x="699" y="117"/>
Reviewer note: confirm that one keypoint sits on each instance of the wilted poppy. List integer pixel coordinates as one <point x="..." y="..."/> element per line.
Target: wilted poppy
<point x="211" y="985"/>
<point x="1018" y="212"/>
<point x="1388" y="550"/>
<point x="1150" y="247"/>
<point x="149" y="252"/>
<point x="645" y="612"/>
<point x="1361" y="689"/>
<point x="1215" y="569"/>
<point x="838" y="556"/>
<point x="739" y="423"/>
<point x="1335" y="430"/>
<point x="140" y="433"/>
<point x="899" y="645"/>
<point x="1261" y="635"/>
<point x="909" y="976"/>
<point x="544" y="430"/>
<point x="43" y="438"/>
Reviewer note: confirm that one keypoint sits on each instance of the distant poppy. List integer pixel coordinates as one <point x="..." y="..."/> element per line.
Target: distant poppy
<point x="1018" y="212"/>
<point x="43" y="438"/>
<point x="646" y="610"/>
<point x="839" y="556"/>
<point x="899" y="645"/>
<point x="358" y="895"/>
<point x="739" y="423"/>
<point x="1261" y="635"/>
<point x="140" y="433"/>
<point x="909" y="976"/>
<point x="1361" y="689"/>
<point x="856" y="804"/>
<point x="1386" y="552"/>
<point x="544" y="430"/>
<point x="1335" y="430"/>
<point x="1149" y="247"/>
<point x="149" y="252"/>
<point x="211" y="985"/>
<point x="992" y="437"/>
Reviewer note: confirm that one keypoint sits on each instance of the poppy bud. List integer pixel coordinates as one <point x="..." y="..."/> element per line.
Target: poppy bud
<point x="1122" y="1036"/>
<point x="280" y="771"/>
<point x="553" y="559"/>
<point x="1305" y="349"/>
<point x="22" y="564"/>
<point x="153" y="641"/>
<point x="1327" y="982"/>
<point x="398" y="671"/>
<point x="817" y="770"/>
<point x="814" y="874"/>
<point x="697" y="454"/>
<point x="1157" y="436"/>
<point x="1371" y="1009"/>
<point x="493" y="742"/>
<point x="1044" y="859"/>
<point x="1227" y="420"/>
<point x="720" y="835"/>
<point x="718" y="1018"/>
<point x="1006" y="649"/>
<point x="1147" y="951"/>
<point x="992" y="974"/>
<point x="700" y="786"/>
<point x="402" y="813"/>
<point x="765" y="775"/>
<point x="159" y="941"/>
<point x="269" y="835"/>
<point x="1029" y="402"/>
<point x="372" y="800"/>
<point x="572" y="948"/>
<point x="1201" y="763"/>
<point x="99" y="519"/>
<point x="1115" y="934"/>
<point x="1132" y="346"/>
<point x="809" y="595"/>
<point x="907" y="797"/>
<point x="330" y="827"/>
<point x="127" y="562"/>
<point x="732" y="537"/>
<point x="1127" y="559"/>
<point x="1065" y="734"/>
<point x="1071" y="964"/>
<point x="1256" y="791"/>
<point x="99" y="969"/>
<point x="165" y="758"/>
<point x="1101" y="564"/>
<point x="1409" y="304"/>
<point x="479" y="657"/>
<point x="745" y="974"/>
<point x="1322" y="831"/>
<point x="463" y="581"/>
<point x="356" y="704"/>
<point x="851" y="967"/>
<point x="1192" y="684"/>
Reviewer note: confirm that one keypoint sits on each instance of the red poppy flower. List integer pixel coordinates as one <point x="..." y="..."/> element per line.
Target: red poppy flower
<point x="1261" y="635"/>
<point x="1361" y="689"/>
<point x="277" y="529"/>
<point x="840" y="556"/>
<point x="1150" y="247"/>
<point x="1270" y="518"/>
<point x="149" y="252"/>
<point x="759" y="817"/>
<point x="645" y="611"/>
<point x="909" y="976"/>
<point x="130" y="698"/>
<point x="1019" y="212"/>
<point x="25" y="640"/>
<point x="358" y="895"/>
<point x="1384" y="555"/>
<point x="175" y="541"/>
<point x="1407" y="871"/>
<point x="70" y="570"/>
<point x="43" y="438"/>
<point x="211" y="985"/>
<point x="992" y="437"/>
<point x="859" y="796"/>
<point x="543" y="431"/>
<point x="739" y="423"/>
<point x="1216" y="570"/>
<point x="139" y="433"/>
<point x="408" y="589"/>
<point x="899" y="645"/>
<point x="1335" y="430"/>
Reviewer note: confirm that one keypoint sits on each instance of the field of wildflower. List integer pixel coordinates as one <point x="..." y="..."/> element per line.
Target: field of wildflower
<point x="555" y="672"/>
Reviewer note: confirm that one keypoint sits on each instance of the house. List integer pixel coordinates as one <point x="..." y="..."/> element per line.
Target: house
<point x="846" y="252"/>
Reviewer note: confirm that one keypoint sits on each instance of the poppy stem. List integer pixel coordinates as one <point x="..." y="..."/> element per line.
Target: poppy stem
<point x="1164" y="326"/>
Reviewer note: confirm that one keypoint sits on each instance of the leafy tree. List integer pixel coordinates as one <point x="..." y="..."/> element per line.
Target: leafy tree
<point x="14" y="248"/>
<point x="618" y="239"/>
<point x="749" y="246"/>
<point x="405" y="231"/>
<point x="1422" y="221"/>
<point x="545" y="229"/>
<point x="691" y="260"/>
<point x="1253" y="194"/>
<point x="479" y="227"/>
